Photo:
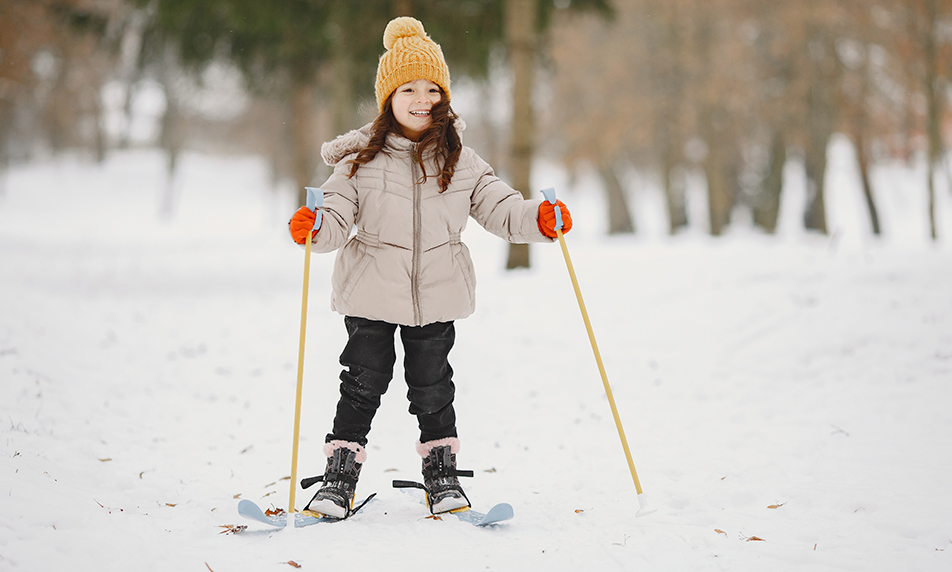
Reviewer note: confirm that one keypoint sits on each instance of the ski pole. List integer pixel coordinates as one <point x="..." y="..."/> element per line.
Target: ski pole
<point x="315" y="198"/>
<point x="549" y="195"/>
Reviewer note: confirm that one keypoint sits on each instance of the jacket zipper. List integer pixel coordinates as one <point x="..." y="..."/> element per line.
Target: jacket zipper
<point x="417" y="237"/>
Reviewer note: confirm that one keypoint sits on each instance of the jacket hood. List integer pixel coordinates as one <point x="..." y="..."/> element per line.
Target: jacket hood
<point x="333" y="152"/>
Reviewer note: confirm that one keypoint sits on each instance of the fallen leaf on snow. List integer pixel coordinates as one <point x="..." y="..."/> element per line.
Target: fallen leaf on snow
<point x="292" y="563"/>
<point x="755" y="539"/>
<point x="233" y="528"/>
<point x="274" y="512"/>
<point x="719" y="531"/>
<point x="579" y="510"/>
<point x="106" y="460"/>
<point x="434" y="517"/>
<point x="107" y="508"/>
<point x="171" y="504"/>
<point x="778" y="505"/>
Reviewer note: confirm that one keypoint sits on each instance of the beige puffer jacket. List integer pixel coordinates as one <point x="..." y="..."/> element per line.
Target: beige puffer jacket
<point x="406" y="264"/>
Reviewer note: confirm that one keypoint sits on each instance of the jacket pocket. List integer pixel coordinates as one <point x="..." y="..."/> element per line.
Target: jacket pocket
<point x="465" y="264"/>
<point x="354" y="259"/>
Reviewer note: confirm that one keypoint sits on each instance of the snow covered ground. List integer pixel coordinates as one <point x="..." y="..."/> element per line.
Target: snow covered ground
<point x="787" y="400"/>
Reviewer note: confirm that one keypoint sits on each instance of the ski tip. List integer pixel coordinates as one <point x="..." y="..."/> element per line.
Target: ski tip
<point x="249" y="509"/>
<point x="497" y="514"/>
<point x="246" y="506"/>
<point x="502" y="511"/>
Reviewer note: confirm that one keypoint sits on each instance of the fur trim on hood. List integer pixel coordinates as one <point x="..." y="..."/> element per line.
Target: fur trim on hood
<point x="333" y="152"/>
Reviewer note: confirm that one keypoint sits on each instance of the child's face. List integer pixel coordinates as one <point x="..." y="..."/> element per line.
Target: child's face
<point x="412" y="103"/>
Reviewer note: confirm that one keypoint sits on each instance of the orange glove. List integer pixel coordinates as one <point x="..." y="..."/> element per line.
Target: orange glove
<point x="547" y="218"/>
<point x="301" y="223"/>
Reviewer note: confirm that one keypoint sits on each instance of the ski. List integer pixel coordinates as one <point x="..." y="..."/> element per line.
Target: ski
<point x="279" y="519"/>
<point x="499" y="513"/>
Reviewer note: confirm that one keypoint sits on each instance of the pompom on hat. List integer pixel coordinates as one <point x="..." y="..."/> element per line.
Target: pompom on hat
<point x="410" y="55"/>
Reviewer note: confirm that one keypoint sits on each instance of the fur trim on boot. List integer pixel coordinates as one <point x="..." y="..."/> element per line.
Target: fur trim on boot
<point x="360" y="452"/>
<point x="423" y="449"/>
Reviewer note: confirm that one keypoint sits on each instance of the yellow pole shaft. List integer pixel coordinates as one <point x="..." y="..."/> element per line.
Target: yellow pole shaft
<point x="300" y="376"/>
<point x="598" y="360"/>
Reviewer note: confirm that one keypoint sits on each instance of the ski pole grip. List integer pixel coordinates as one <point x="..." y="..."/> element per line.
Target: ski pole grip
<point x="549" y="195"/>
<point x="315" y="198"/>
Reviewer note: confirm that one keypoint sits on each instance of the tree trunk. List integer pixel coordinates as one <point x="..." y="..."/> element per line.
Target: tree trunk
<point x="819" y="130"/>
<point x="171" y="137"/>
<point x="934" y="113"/>
<point x="720" y="192"/>
<point x="720" y="170"/>
<point x="767" y="206"/>
<point x="520" y="34"/>
<point x="863" y="161"/>
<point x="674" y="194"/>
<point x="619" y="219"/>
<point x="820" y="119"/>
<point x="814" y="216"/>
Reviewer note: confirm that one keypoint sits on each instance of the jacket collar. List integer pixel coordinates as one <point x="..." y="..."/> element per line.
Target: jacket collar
<point x="333" y="152"/>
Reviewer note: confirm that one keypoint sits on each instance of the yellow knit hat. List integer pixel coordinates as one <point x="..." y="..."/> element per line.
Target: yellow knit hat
<point x="410" y="55"/>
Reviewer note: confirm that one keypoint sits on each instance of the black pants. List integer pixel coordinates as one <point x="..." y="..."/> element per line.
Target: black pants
<point x="368" y="359"/>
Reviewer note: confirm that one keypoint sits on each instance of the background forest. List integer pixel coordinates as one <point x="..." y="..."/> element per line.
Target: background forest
<point x="663" y="93"/>
<point x="762" y="216"/>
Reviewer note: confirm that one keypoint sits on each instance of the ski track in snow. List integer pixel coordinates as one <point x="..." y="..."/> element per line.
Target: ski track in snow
<point x="147" y="377"/>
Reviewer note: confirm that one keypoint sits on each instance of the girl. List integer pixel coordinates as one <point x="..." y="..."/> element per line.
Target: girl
<point x="409" y="185"/>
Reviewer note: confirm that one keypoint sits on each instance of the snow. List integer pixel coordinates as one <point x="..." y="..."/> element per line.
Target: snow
<point x="795" y="388"/>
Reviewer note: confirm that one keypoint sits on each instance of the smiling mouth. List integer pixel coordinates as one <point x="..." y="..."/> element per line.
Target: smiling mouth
<point x="420" y="113"/>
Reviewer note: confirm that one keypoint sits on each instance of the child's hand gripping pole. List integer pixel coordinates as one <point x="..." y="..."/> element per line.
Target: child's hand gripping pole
<point x="315" y="198"/>
<point x="642" y="501"/>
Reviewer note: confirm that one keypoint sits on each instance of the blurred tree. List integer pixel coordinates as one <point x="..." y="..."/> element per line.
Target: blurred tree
<point x="282" y="47"/>
<point x="24" y="30"/>
<point x="927" y="22"/>
<point x="861" y="96"/>
<point x="521" y="30"/>
<point x="776" y="84"/>
<point x="667" y="79"/>
<point x="721" y="104"/>
<point x="600" y="82"/>
<point x="733" y="85"/>
<point x="55" y="57"/>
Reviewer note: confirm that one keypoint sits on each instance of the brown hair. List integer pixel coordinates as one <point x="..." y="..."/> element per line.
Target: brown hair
<point x="441" y="136"/>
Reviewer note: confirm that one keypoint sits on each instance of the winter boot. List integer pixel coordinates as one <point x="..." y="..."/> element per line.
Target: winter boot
<point x="336" y="496"/>
<point x="443" y="491"/>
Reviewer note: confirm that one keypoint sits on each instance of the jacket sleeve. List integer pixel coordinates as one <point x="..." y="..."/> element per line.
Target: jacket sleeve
<point x="340" y="209"/>
<point x="502" y="210"/>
